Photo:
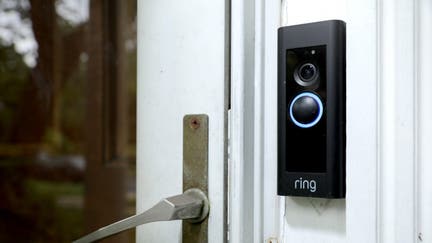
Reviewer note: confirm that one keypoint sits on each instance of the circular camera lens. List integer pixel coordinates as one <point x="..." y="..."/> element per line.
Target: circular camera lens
<point x="307" y="72"/>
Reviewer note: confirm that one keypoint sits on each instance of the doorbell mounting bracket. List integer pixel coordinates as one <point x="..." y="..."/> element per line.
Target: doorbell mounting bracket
<point x="311" y="110"/>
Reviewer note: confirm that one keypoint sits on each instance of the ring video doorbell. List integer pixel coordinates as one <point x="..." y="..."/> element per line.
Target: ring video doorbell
<point x="311" y="110"/>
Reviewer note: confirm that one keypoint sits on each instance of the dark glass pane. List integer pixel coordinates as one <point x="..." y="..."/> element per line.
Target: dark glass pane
<point x="67" y="118"/>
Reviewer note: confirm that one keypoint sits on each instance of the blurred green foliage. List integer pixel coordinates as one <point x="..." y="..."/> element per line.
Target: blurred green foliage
<point x="14" y="79"/>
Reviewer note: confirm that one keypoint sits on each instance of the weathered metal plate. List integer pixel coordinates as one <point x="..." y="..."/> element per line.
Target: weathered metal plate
<point x="195" y="170"/>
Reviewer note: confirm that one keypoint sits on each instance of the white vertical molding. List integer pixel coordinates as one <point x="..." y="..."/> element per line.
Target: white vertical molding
<point x="416" y="70"/>
<point x="397" y="123"/>
<point x="271" y="202"/>
<point x="387" y="123"/>
<point x="242" y="125"/>
<point x="236" y="146"/>
<point x="362" y="116"/>
<point x="253" y="157"/>
<point x="424" y="120"/>
<point x="259" y="73"/>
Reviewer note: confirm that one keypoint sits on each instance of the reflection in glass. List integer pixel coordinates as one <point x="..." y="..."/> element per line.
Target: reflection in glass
<point x="67" y="118"/>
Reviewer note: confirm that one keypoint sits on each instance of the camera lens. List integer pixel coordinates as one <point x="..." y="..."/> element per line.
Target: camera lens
<point x="307" y="72"/>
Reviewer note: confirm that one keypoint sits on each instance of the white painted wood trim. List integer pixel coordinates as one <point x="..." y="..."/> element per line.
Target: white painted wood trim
<point x="397" y="201"/>
<point x="259" y="72"/>
<point x="362" y="121"/>
<point x="424" y="120"/>
<point x="271" y="202"/>
<point x="241" y="189"/>
<point x="253" y="201"/>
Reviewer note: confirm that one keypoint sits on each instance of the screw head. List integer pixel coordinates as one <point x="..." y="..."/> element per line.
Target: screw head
<point x="194" y="123"/>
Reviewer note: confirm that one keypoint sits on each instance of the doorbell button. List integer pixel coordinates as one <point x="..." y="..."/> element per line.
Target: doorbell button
<point x="306" y="110"/>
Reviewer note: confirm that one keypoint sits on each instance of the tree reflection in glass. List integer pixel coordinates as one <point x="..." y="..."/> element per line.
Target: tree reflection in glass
<point x="67" y="117"/>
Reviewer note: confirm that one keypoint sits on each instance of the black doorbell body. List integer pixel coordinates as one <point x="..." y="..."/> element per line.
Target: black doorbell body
<point x="311" y="110"/>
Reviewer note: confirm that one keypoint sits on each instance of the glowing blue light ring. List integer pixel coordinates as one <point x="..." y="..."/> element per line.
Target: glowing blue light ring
<point x="320" y="110"/>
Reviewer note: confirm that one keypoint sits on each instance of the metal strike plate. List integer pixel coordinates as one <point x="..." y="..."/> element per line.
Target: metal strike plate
<point x="195" y="170"/>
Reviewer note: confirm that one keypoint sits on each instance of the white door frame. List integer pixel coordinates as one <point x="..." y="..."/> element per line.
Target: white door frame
<point x="253" y="203"/>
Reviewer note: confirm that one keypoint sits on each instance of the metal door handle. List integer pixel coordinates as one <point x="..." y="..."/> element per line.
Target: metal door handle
<point x="192" y="205"/>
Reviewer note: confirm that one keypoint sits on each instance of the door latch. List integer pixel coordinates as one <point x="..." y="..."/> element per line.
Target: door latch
<point x="191" y="206"/>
